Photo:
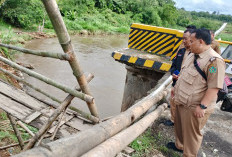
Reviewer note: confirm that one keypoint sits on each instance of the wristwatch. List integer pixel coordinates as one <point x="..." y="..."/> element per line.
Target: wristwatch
<point x="202" y="106"/>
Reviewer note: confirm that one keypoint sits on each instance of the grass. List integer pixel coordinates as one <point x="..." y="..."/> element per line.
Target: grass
<point x="147" y="144"/>
<point x="7" y="136"/>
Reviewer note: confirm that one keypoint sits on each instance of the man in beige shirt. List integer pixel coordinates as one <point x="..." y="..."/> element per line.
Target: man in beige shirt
<point x="214" y="44"/>
<point x="195" y="95"/>
<point x="177" y="63"/>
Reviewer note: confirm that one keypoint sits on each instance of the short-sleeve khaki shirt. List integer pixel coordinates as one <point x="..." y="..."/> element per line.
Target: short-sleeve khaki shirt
<point x="191" y="86"/>
<point x="216" y="46"/>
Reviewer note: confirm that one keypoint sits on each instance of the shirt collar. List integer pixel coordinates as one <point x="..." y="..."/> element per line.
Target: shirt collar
<point x="203" y="54"/>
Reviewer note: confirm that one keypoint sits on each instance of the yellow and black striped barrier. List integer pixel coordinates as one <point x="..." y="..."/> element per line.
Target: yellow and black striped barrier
<point x="141" y="62"/>
<point x="155" y="40"/>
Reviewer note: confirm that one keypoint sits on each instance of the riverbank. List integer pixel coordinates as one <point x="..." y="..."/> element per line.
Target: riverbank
<point x="14" y="37"/>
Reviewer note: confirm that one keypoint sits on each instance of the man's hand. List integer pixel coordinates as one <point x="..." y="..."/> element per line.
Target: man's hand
<point x="199" y="112"/>
<point x="175" y="77"/>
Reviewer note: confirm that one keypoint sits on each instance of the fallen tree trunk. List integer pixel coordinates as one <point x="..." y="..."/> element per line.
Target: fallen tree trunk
<point x="118" y="142"/>
<point x="79" y="144"/>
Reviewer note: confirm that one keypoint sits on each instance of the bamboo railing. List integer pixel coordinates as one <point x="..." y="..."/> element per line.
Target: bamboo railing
<point x="80" y="113"/>
<point x="79" y="144"/>
<point x="65" y="41"/>
<point x="69" y="55"/>
<point x="38" y="53"/>
<point x="80" y="95"/>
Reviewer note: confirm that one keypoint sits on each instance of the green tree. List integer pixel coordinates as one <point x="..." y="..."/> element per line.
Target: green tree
<point x="22" y="13"/>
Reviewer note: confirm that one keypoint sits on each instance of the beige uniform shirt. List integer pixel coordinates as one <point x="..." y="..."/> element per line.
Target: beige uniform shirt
<point x="216" y="46"/>
<point x="191" y="86"/>
<point x="187" y="52"/>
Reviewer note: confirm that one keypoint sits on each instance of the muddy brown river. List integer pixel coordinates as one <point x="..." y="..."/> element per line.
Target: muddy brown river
<point x="94" y="55"/>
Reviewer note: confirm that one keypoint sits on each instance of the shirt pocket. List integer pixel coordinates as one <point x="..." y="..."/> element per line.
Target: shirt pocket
<point x="187" y="85"/>
<point x="189" y="77"/>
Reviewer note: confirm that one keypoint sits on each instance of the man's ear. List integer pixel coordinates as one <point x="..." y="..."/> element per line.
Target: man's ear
<point x="202" y="41"/>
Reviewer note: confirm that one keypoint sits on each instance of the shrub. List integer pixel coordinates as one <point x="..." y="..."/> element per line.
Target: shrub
<point x="22" y="13"/>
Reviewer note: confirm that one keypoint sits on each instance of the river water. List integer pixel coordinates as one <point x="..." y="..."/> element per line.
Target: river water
<point x="94" y="55"/>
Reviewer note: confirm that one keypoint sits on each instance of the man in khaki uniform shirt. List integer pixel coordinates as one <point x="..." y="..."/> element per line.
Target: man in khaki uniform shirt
<point x="195" y="97"/>
<point x="214" y="44"/>
<point x="176" y="60"/>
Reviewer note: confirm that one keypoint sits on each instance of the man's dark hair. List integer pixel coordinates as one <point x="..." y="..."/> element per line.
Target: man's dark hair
<point x="203" y="34"/>
<point x="191" y="27"/>
<point x="188" y="30"/>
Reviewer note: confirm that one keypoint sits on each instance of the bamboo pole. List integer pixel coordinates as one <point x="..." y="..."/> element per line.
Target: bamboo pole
<point x="30" y="85"/>
<point x="12" y="145"/>
<point x="220" y="29"/>
<point x="17" y="133"/>
<point x="25" y="128"/>
<point x="58" y="125"/>
<point x="85" y="115"/>
<point x="118" y="142"/>
<point x="38" y="53"/>
<point x="49" y="122"/>
<point x="53" y="117"/>
<point x="49" y="81"/>
<point x="39" y="141"/>
<point x="74" y="110"/>
<point x="77" y="145"/>
<point x="81" y="113"/>
<point x="65" y="41"/>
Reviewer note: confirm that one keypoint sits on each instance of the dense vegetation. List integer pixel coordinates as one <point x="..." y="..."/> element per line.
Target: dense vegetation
<point x="109" y="15"/>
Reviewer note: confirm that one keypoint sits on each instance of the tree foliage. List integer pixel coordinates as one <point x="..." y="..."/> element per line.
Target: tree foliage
<point x="100" y="14"/>
<point x="22" y="13"/>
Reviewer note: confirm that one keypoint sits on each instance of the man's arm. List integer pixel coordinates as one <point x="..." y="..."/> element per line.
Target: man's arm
<point x="173" y="67"/>
<point x="215" y="79"/>
<point x="209" y="97"/>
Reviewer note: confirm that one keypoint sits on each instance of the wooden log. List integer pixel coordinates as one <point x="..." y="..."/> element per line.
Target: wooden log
<point x="17" y="133"/>
<point x="84" y="141"/>
<point x="65" y="42"/>
<point x="38" y="53"/>
<point x="49" y="81"/>
<point x="25" y="128"/>
<point x="118" y="142"/>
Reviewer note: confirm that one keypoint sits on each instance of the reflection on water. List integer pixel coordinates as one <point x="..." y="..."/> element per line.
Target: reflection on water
<point x="94" y="55"/>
